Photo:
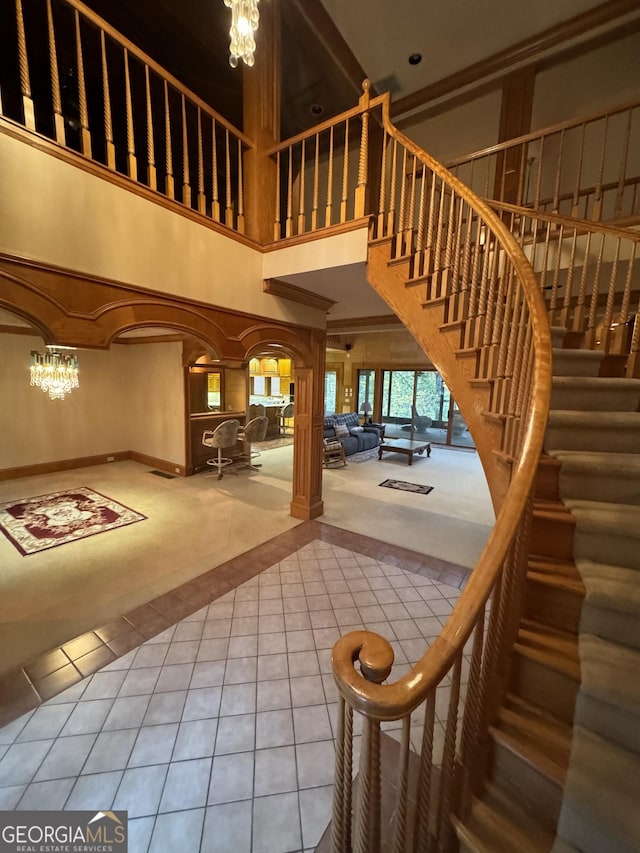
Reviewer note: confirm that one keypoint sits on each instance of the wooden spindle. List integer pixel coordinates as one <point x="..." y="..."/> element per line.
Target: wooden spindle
<point x="367" y="830"/>
<point x="240" y="218"/>
<point x="437" y="250"/>
<point x="596" y="212"/>
<point x="289" y="220"/>
<point x="457" y="249"/>
<point x="58" y="119"/>
<point x="575" y="204"/>
<point x="471" y="719"/>
<point x="568" y="285"/>
<point x="383" y="186"/>
<point x="626" y="294"/>
<point x="419" y="247"/>
<point x="228" y="211"/>
<point x="23" y="62"/>
<point x="301" y="216"/>
<point x="605" y="335"/>
<point x="579" y="315"/>
<point x="186" y="181"/>
<point x="422" y="832"/>
<point x="556" y="190"/>
<point x="345" y="174"/>
<point x="316" y="181"/>
<point x="536" y="200"/>
<point x="132" y="163"/>
<point x="85" y="136"/>
<point x="215" y="198"/>
<point x="448" y="759"/>
<point x="553" y="299"/>
<point x="428" y="255"/>
<point x="151" y="155"/>
<point x="169" y="187"/>
<point x="392" y="190"/>
<point x="401" y="810"/>
<point x="277" y="231"/>
<point x="617" y="210"/>
<point x="360" y="205"/>
<point x="202" y="201"/>
<point x="339" y="839"/>
<point x="408" y="233"/>
<point x="327" y="214"/>
<point x="448" y="246"/>
<point x="399" y="244"/>
<point x="110" y="149"/>
<point x="595" y="292"/>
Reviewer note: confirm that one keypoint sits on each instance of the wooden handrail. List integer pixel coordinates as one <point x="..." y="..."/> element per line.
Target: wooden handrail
<point x="582" y="225"/>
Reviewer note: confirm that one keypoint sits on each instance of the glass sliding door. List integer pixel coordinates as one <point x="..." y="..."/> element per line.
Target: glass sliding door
<point x="366" y="386"/>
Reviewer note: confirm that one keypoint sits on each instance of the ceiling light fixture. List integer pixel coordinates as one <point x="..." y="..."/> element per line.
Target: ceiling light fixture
<point x="244" y="23"/>
<point x="55" y="372"/>
<point x="415" y="59"/>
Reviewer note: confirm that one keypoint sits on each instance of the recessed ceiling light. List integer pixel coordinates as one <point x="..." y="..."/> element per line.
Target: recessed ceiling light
<point x="317" y="109"/>
<point x="415" y="59"/>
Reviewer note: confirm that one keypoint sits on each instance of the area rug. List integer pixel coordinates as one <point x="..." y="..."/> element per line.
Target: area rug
<point x="403" y="486"/>
<point x="35" y="524"/>
<point x="364" y="455"/>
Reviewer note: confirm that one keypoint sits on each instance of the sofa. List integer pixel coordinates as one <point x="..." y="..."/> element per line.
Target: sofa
<point x="356" y="438"/>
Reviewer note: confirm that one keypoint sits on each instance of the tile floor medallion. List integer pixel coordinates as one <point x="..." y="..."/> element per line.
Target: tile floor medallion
<point x="218" y="733"/>
<point x="35" y="524"/>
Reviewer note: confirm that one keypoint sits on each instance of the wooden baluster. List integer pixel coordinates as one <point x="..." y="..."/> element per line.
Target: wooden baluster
<point x="408" y="232"/>
<point x="448" y="247"/>
<point x="474" y="291"/>
<point x="617" y="210"/>
<point x="437" y="251"/>
<point x="568" y="285"/>
<point x="202" y="201"/>
<point x="422" y="832"/>
<point x="486" y="178"/>
<point x="481" y="319"/>
<point x="556" y="191"/>
<point x="383" y="187"/>
<point x="289" y="221"/>
<point x="23" y="62"/>
<point x="536" y="200"/>
<point x="493" y="279"/>
<point x="579" y="318"/>
<point x="457" y="250"/>
<point x="445" y="805"/>
<point x="110" y="149"/>
<point x="428" y="254"/>
<point x="401" y="810"/>
<point x="459" y="306"/>
<point x="85" y="136"/>
<point x="58" y="119"/>
<point x="418" y="256"/>
<point x="553" y="300"/>
<point x="228" y="211"/>
<point x="347" y="789"/>
<point x="590" y="337"/>
<point x="345" y="174"/>
<point x="545" y="258"/>
<point x="367" y="831"/>
<point x="633" y="362"/>
<point x="240" y="219"/>
<point x="620" y="332"/>
<point x="327" y="214"/>
<point x="471" y="721"/>
<point x="151" y="154"/>
<point x="186" y="180"/>
<point x="316" y="179"/>
<point x="360" y="205"/>
<point x="340" y="821"/>
<point x="596" y="213"/>
<point x="519" y="350"/>
<point x="524" y="389"/>
<point x="277" y="231"/>
<point x="301" y="216"/>
<point x="132" y="164"/>
<point x="399" y="245"/>
<point x="605" y="335"/>
<point x="169" y="187"/>
<point x="575" y="204"/>
<point x="522" y="172"/>
<point x="215" y="198"/>
<point x="392" y="190"/>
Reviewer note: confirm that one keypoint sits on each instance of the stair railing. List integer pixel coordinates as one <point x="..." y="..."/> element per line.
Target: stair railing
<point x="83" y="85"/>
<point x="585" y="168"/>
<point x="460" y="255"/>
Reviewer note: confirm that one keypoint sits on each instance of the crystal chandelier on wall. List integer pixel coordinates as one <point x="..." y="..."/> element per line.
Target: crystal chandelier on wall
<point x="55" y="372"/>
<point x="244" y="23"/>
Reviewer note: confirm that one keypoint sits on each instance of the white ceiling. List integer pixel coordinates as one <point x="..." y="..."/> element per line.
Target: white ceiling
<point x="450" y="34"/>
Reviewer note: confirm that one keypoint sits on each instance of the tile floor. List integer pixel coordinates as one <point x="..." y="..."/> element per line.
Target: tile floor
<point x="216" y="734"/>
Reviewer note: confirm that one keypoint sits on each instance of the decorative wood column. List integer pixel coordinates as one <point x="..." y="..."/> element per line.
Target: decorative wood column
<point x="515" y="120"/>
<point x="261" y="105"/>
<point x="308" y="424"/>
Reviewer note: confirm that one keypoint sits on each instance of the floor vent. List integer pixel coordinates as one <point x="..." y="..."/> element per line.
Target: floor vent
<point x="163" y="474"/>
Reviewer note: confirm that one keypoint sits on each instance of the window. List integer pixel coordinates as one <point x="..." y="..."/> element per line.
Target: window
<point x="330" y="392"/>
<point x="366" y="385"/>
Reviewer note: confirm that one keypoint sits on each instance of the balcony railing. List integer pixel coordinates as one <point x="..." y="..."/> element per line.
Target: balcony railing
<point x="76" y="80"/>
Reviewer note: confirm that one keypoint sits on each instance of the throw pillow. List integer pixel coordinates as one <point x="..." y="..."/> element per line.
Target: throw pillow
<point x="356" y="429"/>
<point x="342" y="431"/>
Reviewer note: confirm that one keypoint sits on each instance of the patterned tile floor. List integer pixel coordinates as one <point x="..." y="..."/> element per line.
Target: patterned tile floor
<point x="217" y="734"/>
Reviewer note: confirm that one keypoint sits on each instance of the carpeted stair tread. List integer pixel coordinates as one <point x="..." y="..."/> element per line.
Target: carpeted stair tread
<point x="595" y="393"/>
<point x="576" y="362"/>
<point x="597" y="475"/>
<point x="610" y="673"/>
<point x="592" y="431"/>
<point x="606" y="532"/>
<point x="613" y="587"/>
<point x="600" y="805"/>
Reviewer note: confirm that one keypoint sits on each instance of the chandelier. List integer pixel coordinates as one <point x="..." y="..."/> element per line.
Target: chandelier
<point x="244" y="22"/>
<point x="54" y="371"/>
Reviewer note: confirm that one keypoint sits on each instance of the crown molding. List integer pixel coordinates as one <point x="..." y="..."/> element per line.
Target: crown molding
<point x="284" y="290"/>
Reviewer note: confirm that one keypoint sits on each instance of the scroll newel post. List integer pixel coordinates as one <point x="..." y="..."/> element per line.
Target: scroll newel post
<point x="363" y="164"/>
<point x="261" y="106"/>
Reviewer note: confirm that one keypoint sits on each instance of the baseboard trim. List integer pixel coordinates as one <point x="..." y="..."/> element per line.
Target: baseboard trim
<point x="86" y="461"/>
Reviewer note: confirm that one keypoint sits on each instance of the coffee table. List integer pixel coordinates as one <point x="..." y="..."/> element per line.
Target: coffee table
<point x="403" y="445"/>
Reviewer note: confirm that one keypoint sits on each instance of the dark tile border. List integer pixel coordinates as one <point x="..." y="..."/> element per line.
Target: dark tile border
<point x="24" y="688"/>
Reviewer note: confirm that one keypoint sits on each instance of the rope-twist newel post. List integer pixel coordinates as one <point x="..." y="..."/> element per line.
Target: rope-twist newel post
<point x="363" y="163"/>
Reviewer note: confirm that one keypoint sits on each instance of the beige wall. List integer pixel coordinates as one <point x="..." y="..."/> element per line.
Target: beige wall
<point x="53" y="212"/>
<point x="131" y="398"/>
